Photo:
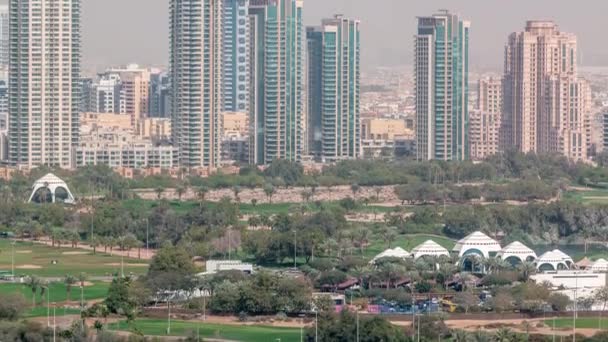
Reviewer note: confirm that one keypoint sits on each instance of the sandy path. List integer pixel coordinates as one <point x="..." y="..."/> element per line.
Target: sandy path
<point x="145" y="254"/>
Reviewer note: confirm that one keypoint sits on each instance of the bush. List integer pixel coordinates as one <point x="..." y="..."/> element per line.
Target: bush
<point x="11" y="306"/>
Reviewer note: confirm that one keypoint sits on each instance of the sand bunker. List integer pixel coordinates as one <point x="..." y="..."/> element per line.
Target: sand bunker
<point x="75" y="253"/>
<point x="28" y="267"/>
<point x="126" y="265"/>
<point x="23" y="252"/>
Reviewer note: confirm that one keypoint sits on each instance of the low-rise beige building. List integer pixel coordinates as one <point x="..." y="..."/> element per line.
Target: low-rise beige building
<point x="235" y="124"/>
<point x="383" y="129"/>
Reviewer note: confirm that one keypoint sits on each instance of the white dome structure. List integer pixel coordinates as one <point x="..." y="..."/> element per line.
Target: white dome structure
<point x="516" y="253"/>
<point x="51" y="189"/>
<point x="567" y="259"/>
<point x="478" y="244"/>
<point x="600" y="265"/>
<point x="551" y="261"/>
<point x="396" y="252"/>
<point x="429" y="248"/>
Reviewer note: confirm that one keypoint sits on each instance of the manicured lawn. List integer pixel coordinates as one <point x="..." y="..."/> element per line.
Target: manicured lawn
<point x="599" y="196"/>
<point x="36" y="259"/>
<point x="231" y="332"/>
<point x="407" y="242"/>
<point x="41" y="311"/>
<point x="582" y="323"/>
<point x="57" y="292"/>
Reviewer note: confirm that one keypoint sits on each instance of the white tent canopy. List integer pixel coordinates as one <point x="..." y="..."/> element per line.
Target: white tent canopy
<point x="47" y="186"/>
<point x="600" y="265"/>
<point x="477" y="243"/>
<point x="396" y="252"/>
<point x="565" y="257"/>
<point x="551" y="261"/>
<point x="518" y="251"/>
<point x="429" y="248"/>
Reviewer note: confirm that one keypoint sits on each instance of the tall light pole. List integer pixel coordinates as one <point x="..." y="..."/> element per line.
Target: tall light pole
<point x="295" y="249"/>
<point x="147" y="238"/>
<point x="48" y="306"/>
<point x="54" y="323"/>
<point x="316" y="326"/>
<point x="575" y="307"/>
<point x="357" y="324"/>
<point x="13" y="260"/>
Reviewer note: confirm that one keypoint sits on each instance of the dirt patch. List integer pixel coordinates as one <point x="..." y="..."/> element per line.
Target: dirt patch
<point x="75" y="253"/>
<point x="28" y="267"/>
<point x="114" y="264"/>
<point x="23" y="252"/>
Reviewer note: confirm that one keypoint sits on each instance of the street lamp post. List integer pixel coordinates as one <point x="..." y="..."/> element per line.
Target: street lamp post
<point x="316" y="326"/>
<point x="13" y="260"/>
<point x="295" y="249"/>
<point x="54" y="323"/>
<point x="48" y="306"/>
<point x="147" y="238"/>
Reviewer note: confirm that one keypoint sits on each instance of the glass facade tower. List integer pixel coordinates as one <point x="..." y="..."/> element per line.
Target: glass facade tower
<point x="441" y="72"/>
<point x="276" y="65"/>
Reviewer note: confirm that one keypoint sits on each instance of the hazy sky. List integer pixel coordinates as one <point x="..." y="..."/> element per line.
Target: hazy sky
<point x="123" y="31"/>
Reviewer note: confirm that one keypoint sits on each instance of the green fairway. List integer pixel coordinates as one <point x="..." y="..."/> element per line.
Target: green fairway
<point x="57" y="292"/>
<point x="246" y="333"/>
<point x="36" y="259"/>
<point x="599" y="196"/>
<point x="41" y="311"/>
<point x="582" y="323"/>
<point x="407" y="242"/>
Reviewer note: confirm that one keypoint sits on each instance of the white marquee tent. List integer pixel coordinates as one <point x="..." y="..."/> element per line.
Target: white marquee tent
<point x="48" y="186"/>
<point x="396" y="252"/>
<point x="477" y="243"/>
<point x="516" y="252"/>
<point x="429" y="248"/>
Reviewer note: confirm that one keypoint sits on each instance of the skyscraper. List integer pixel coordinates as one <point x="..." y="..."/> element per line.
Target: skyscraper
<point x="4" y="28"/>
<point x="236" y="56"/>
<point x="196" y="80"/>
<point x="546" y="105"/>
<point x="277" y="78"/>
<point x="442" y="76"/>
<point x="333" y="89"/>
<point x="314" y="94"/>
<point x="44" y="82"/>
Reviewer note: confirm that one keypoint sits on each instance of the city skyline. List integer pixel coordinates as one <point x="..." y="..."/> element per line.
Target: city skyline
<point x="384" y="28"/>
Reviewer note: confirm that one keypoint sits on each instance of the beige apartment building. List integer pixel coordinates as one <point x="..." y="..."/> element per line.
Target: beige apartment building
<point x="383" y="129"/>
<point x="235" y="124"/>
<point x="541" y="85"/>
<point x="134" y="92"/>
<point x="485" y="120"/>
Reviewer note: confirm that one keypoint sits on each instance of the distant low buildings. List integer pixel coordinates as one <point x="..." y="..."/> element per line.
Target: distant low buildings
<point x="380" y="136"/>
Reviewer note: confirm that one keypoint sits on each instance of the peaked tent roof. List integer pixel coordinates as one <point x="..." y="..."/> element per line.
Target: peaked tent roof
<point x="584" y="263"/>
<point x="50" y="179"/>
<point x="396" y="252"/>
<point x="479" y="241"/>
<point x="516" y="248"/>
<point x="599" y="265"/>
<point x="429" y="248"/>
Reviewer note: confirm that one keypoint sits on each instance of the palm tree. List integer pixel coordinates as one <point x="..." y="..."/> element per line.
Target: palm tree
<point x="44" y="288"/>
<point x="355" y="188"/>
<point x="159" y="192"/>
<point x="526" y="269"/>
<point x="33" y="283"/>
<point x="82" y="278"/>
<point x="94" y="242"/>
<point x="601" y="296"/>
<point x="269" y="191"/>
<point x="201" y="193"/>
<point x="480" y="336"/>
<point x="460" y="336"/>
<point x="504" y="335"/>
<point x="180" y="190"/>
<point x="236" y="190"/>
<point x="69" y="282"/>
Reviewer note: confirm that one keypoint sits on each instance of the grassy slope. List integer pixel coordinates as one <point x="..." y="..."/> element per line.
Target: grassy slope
<point x="231" y="332"/>
<point x="41" y="255"/>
